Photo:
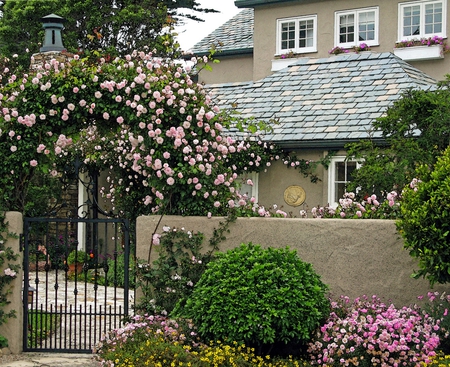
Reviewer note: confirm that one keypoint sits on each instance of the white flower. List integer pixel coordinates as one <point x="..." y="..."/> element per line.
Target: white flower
<point x="10" y="272"/>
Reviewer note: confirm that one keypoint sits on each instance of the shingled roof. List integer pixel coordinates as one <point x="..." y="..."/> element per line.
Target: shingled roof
<point x="324" y="102"/>
<point x="233" y="37"/>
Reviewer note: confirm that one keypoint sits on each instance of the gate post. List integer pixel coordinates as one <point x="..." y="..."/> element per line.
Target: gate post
<point x="13" y="328"/>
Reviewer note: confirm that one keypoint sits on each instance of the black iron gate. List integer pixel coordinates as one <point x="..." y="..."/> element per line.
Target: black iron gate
<point x="69" y="310"/>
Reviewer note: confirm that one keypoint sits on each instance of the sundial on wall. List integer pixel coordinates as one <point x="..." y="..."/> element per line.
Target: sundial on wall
<point x="294" y="195"/>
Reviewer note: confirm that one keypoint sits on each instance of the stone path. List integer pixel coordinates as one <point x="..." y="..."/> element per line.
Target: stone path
<point x="85" y="311"/>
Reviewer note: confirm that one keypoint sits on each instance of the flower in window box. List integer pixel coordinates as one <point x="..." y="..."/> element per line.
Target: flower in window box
<point x="430" y="41"/>
<point x="288" y="55"/>
<point x="361" y="47"/>
<point x="337" y="50"/>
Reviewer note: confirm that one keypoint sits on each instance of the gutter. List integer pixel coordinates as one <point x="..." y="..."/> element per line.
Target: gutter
<point x="254" y="3"/>
<point x="322" y="144"/>
<point x="237" y="52"/>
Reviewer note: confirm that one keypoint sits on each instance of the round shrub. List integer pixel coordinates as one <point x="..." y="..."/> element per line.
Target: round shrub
<point x="259" y="297"/>
<point x="425" y="223"/>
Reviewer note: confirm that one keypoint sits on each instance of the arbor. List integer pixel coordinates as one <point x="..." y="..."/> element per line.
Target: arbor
<point x="415" y="130"/>
<point x="117" y="27"/>
<point x="139" y="118"/>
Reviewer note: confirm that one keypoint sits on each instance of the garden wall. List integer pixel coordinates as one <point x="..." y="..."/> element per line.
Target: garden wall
<point x="354" y="257"/>
<point x="13" y="328"/>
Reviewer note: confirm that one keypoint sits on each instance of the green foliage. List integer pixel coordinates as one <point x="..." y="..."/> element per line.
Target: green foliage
<point x="155" y="341"/>
<point x="415" y="130"/>
<point x="41" y="325"/>
<point x="172" y="277"/>
<point x="113" y="26"/>
<point x="77" y="256"/>
<point x="258" y="297"/>
<point x="116" y="272"/>
<point x="3" y="342"/>
<point x="425" y="222"/>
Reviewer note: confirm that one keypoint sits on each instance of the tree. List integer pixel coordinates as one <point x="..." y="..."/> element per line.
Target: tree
<point x="117" y="27"/>
<point x="415" y="131"/>
<point x="425" y="222"/>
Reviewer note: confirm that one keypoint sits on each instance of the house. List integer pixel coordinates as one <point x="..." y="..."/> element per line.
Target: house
<point x="268" y="34"/>
<point x="321" y="101"/>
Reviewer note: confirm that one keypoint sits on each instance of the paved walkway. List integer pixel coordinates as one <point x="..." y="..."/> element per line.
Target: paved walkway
<point x="51" y="360"/>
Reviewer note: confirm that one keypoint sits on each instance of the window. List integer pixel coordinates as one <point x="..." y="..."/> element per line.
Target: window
<point x="339" y="174"/>
<point x="356" y="26"/>
<point x="249" y="190"/>
<point x="420" y="19"/>
<point x="297" y="35"/>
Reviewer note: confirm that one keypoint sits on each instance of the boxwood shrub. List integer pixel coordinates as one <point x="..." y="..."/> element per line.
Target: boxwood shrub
<point x="260" y="297"/>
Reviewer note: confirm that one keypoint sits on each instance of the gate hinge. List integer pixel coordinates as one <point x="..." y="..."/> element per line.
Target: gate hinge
<point x="21" y="242"/>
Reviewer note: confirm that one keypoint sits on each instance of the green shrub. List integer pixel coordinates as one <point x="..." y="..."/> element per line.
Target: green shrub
<point x="171" y="278"/>
<point x="425" y="220"/>
<point x="258" y="297"/>
<point x="116" y="272"/>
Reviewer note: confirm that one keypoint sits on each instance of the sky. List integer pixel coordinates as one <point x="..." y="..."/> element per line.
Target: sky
<point x="192" y="32"/>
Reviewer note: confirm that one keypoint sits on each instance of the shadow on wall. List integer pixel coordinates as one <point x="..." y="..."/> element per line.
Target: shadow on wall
<point x="354" y="257"/>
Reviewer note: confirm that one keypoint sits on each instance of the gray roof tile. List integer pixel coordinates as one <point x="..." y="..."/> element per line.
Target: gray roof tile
<point x="233" y="36"/>
<point x="338" y="99"/>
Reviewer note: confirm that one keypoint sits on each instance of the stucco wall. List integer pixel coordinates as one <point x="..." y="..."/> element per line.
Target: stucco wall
<point x="228" y="70"/>
<point x="13" y="328"/>
<point x="354" y="257"/>
<point x="273" y="182"/>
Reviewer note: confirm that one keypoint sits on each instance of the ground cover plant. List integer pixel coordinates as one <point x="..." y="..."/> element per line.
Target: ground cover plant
<point x="361" y="332"/>
<point x="367" y="332"/>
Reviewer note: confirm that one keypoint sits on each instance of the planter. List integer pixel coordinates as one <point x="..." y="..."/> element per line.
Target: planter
<point x="278" y="64"/>
<point x="417" y="53"/>
<point x="75" y="268"/>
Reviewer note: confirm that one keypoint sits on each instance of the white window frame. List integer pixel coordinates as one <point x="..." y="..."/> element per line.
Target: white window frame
<point x="356" y="13"/>
<point x="332" y="175"/>
<point x="422" y="33"/>
<point x="297" y="21"/>
<point x="254" y="176"/>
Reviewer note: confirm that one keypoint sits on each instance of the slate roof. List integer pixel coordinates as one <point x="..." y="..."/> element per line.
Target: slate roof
<point x="324" y="102"/>
<point x="233" y="37"/>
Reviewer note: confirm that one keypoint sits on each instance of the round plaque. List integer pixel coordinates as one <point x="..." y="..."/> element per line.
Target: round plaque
<point x="294" y="195"/>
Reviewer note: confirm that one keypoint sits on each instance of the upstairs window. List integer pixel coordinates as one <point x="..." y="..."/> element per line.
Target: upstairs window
<point x="297" y="35"/>
<point x="422" y="19"/>
<point x="354" y="27"/>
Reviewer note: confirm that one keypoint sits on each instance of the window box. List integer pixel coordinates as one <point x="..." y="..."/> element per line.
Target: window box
<point x="417" y="53"/>
<point x="278" y="64"/>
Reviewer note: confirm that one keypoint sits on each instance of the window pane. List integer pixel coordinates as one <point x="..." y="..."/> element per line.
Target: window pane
<point x="433" y="18"/>
<point x="351" y="167"/>
<point x="366" y="25"/>
<point x="340" y="171"/>
<point x="287" y="35"/>
<point x="411" y="20"/>
<point x="346" y="28"/>
<point x="339" y="191"/>
<point x="306" y="33"/>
